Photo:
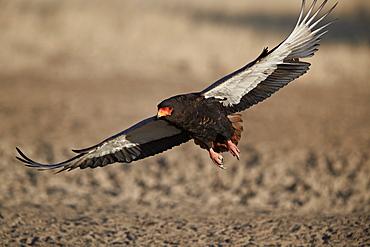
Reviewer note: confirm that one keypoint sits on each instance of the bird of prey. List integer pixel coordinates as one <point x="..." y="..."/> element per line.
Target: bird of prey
<point x="209" y="117"/>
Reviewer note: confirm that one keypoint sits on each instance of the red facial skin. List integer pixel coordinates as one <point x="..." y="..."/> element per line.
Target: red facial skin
<point x="165" y="111"/>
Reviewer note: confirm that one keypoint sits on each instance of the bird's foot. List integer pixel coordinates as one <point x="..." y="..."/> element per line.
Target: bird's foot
<point x="217" y="159"/>
<point x="233" y="149"/>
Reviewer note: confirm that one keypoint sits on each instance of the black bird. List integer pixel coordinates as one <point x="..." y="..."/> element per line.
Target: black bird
<point x="210" y="116"/>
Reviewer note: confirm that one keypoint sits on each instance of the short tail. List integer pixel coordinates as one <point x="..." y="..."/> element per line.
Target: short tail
<point x="237" y="123"/>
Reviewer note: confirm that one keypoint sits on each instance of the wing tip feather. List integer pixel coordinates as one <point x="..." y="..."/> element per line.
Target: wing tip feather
<point x="42" y="167"/>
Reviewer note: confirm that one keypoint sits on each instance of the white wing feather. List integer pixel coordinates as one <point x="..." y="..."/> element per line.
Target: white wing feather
<point x="302" y="40"/>
<point x="149" y="137"/>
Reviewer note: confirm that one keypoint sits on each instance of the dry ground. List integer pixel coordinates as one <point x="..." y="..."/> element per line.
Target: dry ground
<point x="75" y="72"/>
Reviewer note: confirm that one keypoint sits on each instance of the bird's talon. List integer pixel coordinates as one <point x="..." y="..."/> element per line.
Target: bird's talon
<point x="217" y="159"/>
<point x="233" y="149"/>
<point x="222" y="167"/>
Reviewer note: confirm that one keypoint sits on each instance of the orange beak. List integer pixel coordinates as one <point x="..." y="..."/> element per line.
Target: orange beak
<point x="165" y="111"/>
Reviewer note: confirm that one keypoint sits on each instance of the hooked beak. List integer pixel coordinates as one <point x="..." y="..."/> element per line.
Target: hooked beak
<point x="165" y="111"/>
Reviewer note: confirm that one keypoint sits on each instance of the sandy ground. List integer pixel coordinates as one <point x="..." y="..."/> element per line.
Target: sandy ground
<point x="73" y="74"/>
<point x="123" y="225"/>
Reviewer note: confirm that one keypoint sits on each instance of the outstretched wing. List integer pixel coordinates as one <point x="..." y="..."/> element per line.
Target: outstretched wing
<point x="273" y="69"/>
<point x="148" y="137"/>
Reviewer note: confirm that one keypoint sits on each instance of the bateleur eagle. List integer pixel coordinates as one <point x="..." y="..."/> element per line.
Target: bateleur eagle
<point x="210" y="116"/>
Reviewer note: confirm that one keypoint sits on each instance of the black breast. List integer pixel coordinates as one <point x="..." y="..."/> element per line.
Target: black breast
<point x="205" y="119"/>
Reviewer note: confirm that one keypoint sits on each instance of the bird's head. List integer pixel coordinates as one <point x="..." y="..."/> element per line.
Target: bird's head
<point x="166" y="108"/>
<point x="175" y="107"/>
<point x="170" y="108"/>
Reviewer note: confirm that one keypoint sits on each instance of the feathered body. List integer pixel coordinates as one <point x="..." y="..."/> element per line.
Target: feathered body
<point x="205" y="119"/>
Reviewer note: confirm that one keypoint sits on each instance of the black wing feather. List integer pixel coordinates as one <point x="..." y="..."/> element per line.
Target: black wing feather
<point x="284" y="74"/>
<point x="125" y="147"/>
<point x="273" y="69"/>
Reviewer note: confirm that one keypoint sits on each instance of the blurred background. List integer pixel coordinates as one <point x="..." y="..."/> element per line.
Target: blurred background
<point x="73" y="73"/>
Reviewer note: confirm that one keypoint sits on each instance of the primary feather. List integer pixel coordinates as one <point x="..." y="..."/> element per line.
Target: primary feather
<point x="147" y="138"/>
<point x="273" y="69"/>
